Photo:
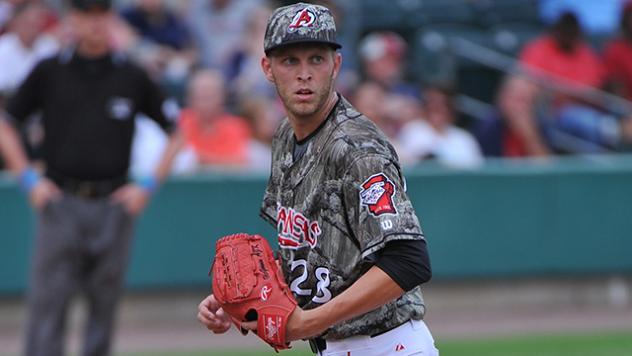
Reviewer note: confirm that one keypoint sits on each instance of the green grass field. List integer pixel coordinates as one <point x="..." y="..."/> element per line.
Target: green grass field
<point x="599" y="344"/>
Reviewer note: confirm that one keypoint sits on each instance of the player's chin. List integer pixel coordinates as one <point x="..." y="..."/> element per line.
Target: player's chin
<point x="303" y="109"/>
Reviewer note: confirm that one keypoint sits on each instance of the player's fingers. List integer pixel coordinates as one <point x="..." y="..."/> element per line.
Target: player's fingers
<point x="205" y="302"/>
<point x="217" y="326"/>
<point x="213" y="324"/>
<point x="202" y="306"/>
<point x="221" y="314"/>
<point x="207" y="315"/>
<point x="212" y="316"/>
<point x="213" y="303"/>
<point x="208" y="303"/>
<point x="222" y="328"/>
<point x="249" y="325"/>
<point x="202" y="318"/>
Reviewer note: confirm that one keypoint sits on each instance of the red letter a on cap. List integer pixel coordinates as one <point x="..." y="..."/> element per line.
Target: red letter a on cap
<point x="303" y="19"/>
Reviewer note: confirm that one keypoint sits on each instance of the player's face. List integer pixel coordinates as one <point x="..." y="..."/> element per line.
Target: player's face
<point x="304" y="77"/>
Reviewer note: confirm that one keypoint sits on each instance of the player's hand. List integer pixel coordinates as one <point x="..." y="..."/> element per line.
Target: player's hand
<point x="44" y="192"/>
<point x="212" y="315"/>
<point x="132" y="197"/>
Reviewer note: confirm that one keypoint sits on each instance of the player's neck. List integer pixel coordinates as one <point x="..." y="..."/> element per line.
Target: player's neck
<point x="304" y="126"/>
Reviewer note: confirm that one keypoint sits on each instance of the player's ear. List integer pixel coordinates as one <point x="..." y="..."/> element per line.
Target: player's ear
<point x="267" y="68"/>
<point x="337" y="63"/>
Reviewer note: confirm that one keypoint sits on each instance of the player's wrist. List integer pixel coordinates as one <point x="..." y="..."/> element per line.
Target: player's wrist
<point x="305" y="324"/>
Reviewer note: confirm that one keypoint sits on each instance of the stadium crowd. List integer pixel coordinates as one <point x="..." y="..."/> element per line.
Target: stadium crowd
<point x="564" y="94"/>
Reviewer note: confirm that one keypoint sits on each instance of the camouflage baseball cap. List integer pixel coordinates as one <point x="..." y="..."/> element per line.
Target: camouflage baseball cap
<point x="299" y="23"/>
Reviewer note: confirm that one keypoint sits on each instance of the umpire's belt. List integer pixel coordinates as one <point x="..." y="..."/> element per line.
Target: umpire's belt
<point x="91" y="189"/>
<point x="318" y="344"/>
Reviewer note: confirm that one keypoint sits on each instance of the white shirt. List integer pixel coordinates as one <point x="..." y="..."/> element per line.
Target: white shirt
<point x="454" y="147"/>
<point x="148" y="146"/>
<point x="17" y="61"/>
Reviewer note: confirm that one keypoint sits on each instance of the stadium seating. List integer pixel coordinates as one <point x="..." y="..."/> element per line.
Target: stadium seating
<point x="382" y="15"/>
<point x="437" y="57"/>
<point x="435" y="46"/>
<point x="409" y="15"/>
<point x="493" y="12"/>
<point x="510" y="37"/>
<point x="427" y="12"/>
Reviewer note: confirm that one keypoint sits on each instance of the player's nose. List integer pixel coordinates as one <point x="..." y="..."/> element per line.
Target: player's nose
<point x="304" y="73"/>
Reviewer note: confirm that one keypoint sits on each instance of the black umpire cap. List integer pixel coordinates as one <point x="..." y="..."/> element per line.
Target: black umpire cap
<point x="86" y="5"/>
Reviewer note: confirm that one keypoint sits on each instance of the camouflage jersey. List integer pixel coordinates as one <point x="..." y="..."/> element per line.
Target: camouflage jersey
<point x="333" y="209"/>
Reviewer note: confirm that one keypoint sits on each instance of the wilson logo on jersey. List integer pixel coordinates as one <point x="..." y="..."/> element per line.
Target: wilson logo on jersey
<point x="295" y="229"/>
<point x="303" y="18"/>
<point x="377" y="195"/>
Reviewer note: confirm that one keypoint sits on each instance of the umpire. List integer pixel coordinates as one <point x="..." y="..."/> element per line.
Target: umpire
<point x="88" y="97"/>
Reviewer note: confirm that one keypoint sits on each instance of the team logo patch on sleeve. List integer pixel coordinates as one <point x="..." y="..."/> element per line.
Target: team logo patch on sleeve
<point x="377" y="195"/>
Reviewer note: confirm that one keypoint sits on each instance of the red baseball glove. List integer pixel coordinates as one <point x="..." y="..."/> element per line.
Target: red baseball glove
<point x="249" y="285"/>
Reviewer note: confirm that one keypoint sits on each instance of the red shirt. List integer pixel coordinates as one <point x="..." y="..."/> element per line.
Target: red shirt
<point x="581" y="66"/>
<point x="618" y="62"/>
<point x="225" y="141"/>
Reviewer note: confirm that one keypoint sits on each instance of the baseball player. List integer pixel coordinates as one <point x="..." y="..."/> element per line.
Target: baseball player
<point x="351" y="247"/>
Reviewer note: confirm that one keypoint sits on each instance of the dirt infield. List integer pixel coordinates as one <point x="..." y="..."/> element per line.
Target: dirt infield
<point x="457" y="310"/>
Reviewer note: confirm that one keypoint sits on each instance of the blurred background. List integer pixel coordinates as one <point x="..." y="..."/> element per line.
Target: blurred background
<point x="511" y="117"/>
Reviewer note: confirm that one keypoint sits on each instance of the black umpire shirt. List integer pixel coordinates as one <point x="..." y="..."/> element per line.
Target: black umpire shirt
<point x="88" y="108"/>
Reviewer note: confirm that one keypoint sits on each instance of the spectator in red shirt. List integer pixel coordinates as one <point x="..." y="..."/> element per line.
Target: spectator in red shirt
<point x="618" y="57"/>
<point x="216" y="137"/>
<point x="564" y="55"/>
<point x="562" y="123"/>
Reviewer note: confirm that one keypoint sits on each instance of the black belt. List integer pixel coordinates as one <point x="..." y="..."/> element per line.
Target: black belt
<point x="318" y="344"/>
<point x="91" y="189"/>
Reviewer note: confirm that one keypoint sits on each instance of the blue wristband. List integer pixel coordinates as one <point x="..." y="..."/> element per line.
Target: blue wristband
<point x="149" y="183"/>
<point x="29" y="179"/>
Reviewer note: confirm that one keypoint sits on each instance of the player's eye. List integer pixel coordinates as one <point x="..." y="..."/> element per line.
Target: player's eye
<point x="318" y="59"/>
<point x="289" y="60"/>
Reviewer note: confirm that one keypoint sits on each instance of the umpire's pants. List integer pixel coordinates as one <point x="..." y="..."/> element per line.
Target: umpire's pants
<point x="82" y="246"/>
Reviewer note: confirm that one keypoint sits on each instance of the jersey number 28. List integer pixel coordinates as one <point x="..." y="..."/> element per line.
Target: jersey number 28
<point x="323" y="294"/>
